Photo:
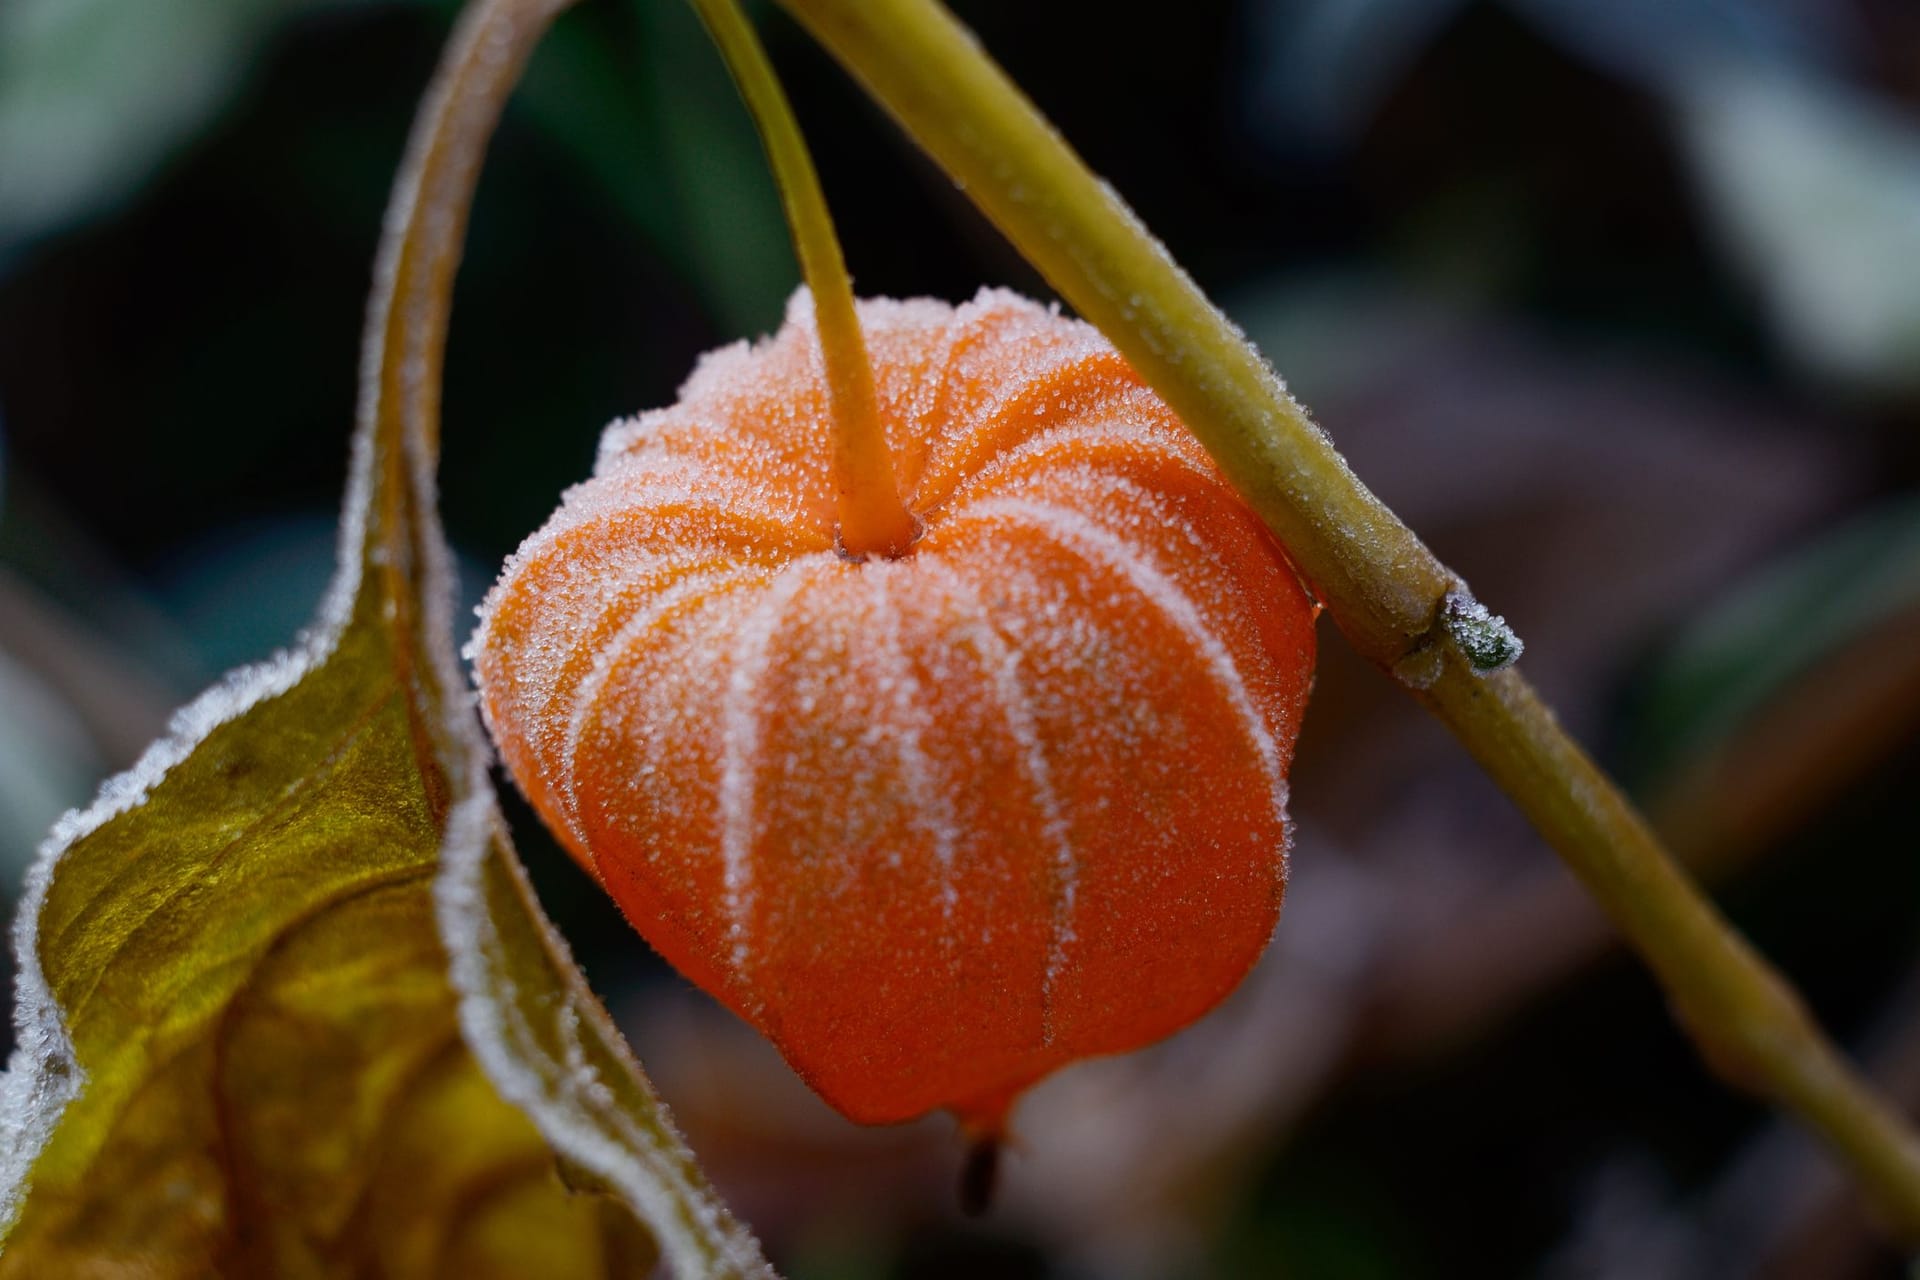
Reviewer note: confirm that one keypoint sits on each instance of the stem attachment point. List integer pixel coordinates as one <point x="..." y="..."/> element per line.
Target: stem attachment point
<point x="872" y="519"/>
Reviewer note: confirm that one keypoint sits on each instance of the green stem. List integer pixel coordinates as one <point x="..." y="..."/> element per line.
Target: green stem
<point x="1394" y="601"/>
<point x="1748" y="1021"/>
<point x="873" y="520"/>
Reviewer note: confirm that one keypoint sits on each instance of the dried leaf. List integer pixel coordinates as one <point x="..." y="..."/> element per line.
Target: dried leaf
<point x="286" y="1004"/>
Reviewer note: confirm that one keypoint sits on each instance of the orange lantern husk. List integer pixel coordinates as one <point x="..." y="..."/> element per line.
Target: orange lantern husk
<point x="942" y="822"/>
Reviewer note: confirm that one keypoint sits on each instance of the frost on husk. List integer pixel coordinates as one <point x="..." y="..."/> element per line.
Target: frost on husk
<point x="286" y="1004"/>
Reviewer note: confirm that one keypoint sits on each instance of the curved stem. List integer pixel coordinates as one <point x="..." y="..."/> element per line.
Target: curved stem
<point x="873" y="520"/>
<point x="412" y="297"/>
<point x="1394" y="601"/>
<point x="590" y="1100"/>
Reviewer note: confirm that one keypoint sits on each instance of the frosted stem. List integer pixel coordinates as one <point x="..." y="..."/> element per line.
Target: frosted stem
<point x="873" y="520"/>
<point x="1394" y="601"/>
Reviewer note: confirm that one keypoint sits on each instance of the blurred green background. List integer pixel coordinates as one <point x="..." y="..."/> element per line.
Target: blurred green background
<point x="1618" y="303"/>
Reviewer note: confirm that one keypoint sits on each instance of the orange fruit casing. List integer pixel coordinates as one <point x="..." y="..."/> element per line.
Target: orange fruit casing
<point x="942" y="823"/>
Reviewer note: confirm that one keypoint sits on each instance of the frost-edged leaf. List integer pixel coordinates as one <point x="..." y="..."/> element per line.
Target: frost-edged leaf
<point x="245" y="992"/>
<point x="553" y="1051"/>
<point x="286" y="1004"/>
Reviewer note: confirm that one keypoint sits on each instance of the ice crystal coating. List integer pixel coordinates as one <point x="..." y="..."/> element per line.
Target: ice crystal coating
<point x="941" y="823"/>
<point x="1482" y="635"/>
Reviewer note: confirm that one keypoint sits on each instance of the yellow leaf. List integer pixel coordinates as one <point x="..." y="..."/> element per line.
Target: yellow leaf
<point x="286" y="1004"/>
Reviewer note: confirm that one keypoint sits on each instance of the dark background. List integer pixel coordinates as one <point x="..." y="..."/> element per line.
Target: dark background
<point x="1617" y="303"/>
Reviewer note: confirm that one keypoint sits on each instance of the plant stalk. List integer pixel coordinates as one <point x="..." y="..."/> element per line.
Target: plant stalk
<point x="873" y="520"/>
<point x="1394" y="601"/>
